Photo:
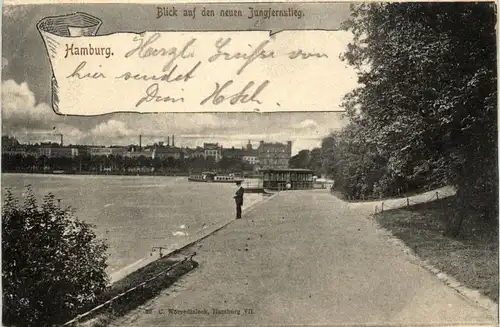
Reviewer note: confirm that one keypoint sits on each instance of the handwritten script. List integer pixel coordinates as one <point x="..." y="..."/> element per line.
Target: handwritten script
<point x="197" y="71"/>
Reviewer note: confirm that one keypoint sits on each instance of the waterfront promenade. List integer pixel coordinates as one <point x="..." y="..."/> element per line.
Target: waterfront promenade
<point x="304" y="258"/>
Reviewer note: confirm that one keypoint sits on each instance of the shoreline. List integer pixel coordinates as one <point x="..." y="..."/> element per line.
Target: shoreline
<point x="121" y="272"/>
<point x="87" y="175"/>
<point x="133" y="174"/>
<point x="143" y="262"/>
<point x="104" y="318"/>
<point x="169" y="208"/>
<point x="142" y="174"/>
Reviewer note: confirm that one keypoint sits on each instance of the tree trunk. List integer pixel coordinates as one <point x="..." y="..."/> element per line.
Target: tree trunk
<point x="456" y="214"/>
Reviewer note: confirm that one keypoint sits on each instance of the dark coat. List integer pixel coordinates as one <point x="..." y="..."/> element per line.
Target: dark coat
<point x="238" y="197"/>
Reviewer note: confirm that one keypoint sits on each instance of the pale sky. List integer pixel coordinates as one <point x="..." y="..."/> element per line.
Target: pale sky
<point x="26" y="75"/>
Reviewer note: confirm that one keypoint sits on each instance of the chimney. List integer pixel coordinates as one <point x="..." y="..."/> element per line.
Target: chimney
<point x="140" y="141"/>
<point x="168" y="140"/>
<point x="61" y="140"/>
<point x="173" y="140"/>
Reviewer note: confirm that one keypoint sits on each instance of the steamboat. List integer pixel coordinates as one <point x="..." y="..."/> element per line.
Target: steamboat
<point x="210" y="177"/>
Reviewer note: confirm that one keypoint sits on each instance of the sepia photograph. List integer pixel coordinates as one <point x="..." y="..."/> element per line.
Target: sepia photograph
<point x="249" y="164"/>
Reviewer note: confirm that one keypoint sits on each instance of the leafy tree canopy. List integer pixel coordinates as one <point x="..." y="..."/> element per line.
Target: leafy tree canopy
<point x="425" y="110"/>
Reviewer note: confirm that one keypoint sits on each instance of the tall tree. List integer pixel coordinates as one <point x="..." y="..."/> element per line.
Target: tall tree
<point x="300" y="160"/>
<point x="316" y="161"/>
<point x="428" y="95"/>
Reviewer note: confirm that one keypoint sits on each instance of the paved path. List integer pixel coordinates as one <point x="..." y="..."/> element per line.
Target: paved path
<point x="306" y="258"/>
<point x="396" y="203"/>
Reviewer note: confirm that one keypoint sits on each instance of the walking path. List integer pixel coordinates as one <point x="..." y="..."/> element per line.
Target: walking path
<point x="306" y="258"/>
<point x="387" y="204"/>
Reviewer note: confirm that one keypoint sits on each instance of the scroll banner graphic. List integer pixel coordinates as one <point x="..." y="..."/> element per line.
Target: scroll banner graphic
<point x="195" y="71"/>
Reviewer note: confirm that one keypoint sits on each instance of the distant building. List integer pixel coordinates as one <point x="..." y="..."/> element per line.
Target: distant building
<point x="191" y="153"/>
<point x="212" y="150"/>
<point x="15" y="152"/>
<point x="250" y="155"/>
<point x="167" y="152"/>
<point x="83" y="150"/>
<point x="58" y="152"/>
<point x="274" y="155"/>
<point x="137" y="154"/>
<point x="20" y="151"/>
<point x="233" y="153"/>
<point x="101" y="151"/>
<point x="199" y="152"/>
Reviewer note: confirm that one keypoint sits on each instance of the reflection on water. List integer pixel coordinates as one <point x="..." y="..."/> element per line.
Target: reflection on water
<point x="135" y="213"/>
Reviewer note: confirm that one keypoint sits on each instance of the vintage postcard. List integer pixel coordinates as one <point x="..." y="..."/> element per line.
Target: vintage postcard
<point x="249" y="163"/>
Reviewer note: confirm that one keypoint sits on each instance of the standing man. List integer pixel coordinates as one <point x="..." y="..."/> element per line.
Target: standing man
<point x="238" y="198"/>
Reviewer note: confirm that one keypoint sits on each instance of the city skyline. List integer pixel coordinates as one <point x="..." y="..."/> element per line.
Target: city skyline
<point x="160" y="141"/>
<point x="27" y="156"/>
<point x="168" y="142"/>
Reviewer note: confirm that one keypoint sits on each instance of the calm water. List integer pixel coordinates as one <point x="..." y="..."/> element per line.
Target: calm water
<point x="135" y="213"/>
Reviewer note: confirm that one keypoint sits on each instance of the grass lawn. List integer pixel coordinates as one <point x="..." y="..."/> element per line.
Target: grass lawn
<point x="471" y="258"/>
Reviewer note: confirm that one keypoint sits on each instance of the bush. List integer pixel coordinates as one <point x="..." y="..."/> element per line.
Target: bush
<point x="52" y="263"/>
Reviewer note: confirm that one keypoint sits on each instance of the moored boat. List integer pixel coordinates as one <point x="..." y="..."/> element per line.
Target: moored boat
<point x="210" y="177"/>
